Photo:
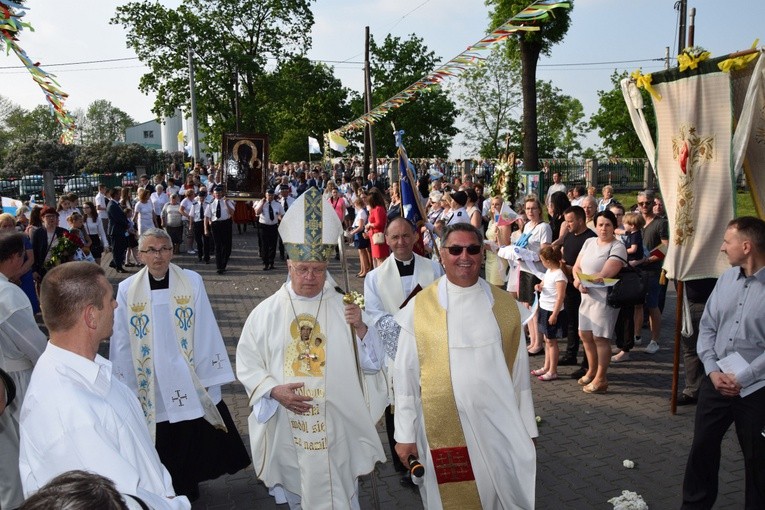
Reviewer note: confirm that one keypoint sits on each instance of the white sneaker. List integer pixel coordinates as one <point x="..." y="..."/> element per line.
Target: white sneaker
<point x="652" y="347"/>
<point x="192" y="252"/>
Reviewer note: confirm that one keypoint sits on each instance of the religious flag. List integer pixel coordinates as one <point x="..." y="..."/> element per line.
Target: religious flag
<point x="181" y="137"/>
<point x="313" y="146"/>
<point x="409" y="192"/>
<point x="337" y="142"/>
<point x="695" y="156"/>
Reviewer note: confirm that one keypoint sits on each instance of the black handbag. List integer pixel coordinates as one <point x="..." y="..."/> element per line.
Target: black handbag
<point x="631" y="288"/>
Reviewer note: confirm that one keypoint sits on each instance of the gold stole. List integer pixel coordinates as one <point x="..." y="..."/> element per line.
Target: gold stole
<point x="456" y="482"/>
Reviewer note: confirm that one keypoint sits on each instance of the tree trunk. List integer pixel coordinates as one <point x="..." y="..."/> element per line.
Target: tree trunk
<point x="529" y="56"/>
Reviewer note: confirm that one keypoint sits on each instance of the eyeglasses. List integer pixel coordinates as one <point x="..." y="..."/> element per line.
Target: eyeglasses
<point x="304" y="271"/>
<point x="643" y="204"/>
<point x="153" y="251"/>
<point x="456" y="250"/>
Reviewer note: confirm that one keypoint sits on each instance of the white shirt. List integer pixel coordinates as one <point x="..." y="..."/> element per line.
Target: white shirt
<point x="549" y="293"/>
<point x="158" y="201"/>
<point x="101" y="203"/>
<point x="211" y="211"/>
<point x="186" y="206"/>
<point x="264" y="218"/>
<point x="76" y="416"/>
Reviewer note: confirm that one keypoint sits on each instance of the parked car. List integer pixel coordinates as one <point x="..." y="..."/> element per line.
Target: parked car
<point x="30" y="185"/>
<point x="81" y="185"/>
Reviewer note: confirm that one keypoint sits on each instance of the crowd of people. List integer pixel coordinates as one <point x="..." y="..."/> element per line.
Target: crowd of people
<point x="320" y="368"/>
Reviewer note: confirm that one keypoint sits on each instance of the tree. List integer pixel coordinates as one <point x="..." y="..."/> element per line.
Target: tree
<point x="561" y="123"/>
<point x="33" y="156"/>
<point x="306" y="100"/>
<point x="490" y="96"/>
<point x="38" y="124"/>
<point x="613" y="123"/>
<point x="429" y="119"/>
<point x="105" y="122"/>
<point x="232" y="41"/>
<point x="527" y="46"/>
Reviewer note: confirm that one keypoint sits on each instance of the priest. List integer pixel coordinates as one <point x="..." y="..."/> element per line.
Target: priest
<point x="462" y="390"/>
<point x="168" y="349"/>
<point x="312" y="433"/>
<point x="386" y="289"/>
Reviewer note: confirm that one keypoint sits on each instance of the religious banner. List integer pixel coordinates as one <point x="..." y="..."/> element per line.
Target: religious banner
<point x="697" y="106"/>
<point x="245" y="161"/>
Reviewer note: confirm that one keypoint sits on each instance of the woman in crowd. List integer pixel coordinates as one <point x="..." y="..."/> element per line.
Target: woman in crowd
<point x="378" y="219"/>
<point x="608" y="197"/>
<point x="26" y="280"/>
<point x="35" y="221"/>
<point x="143" y="213"/>
<point x="22" y="218"/>
<point x="498" y="236"/>
<point x="601" y="257"/>
<point x="64" y="208"/>
<point x="360" y="241"/>
<point x="558" y="203"/>
<point x="472" y="209"/>
<point x="76" y="223"/>
<point x="394" y="208"/>
<point x="537" y="234"/>
<point x="172" y="220"/>
<point x="95" y="229"/>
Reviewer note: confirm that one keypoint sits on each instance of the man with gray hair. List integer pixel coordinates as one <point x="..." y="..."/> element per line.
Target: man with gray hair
<point x="168" y="349"/>
<point x="590" y="206"/>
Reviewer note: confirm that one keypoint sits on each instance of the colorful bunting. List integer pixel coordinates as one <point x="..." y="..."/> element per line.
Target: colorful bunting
<point x="10" y="26"/>
<point x="537" y="12"/>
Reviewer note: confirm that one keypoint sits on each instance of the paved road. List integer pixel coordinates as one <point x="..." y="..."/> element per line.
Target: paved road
<point x="583" y="438"/>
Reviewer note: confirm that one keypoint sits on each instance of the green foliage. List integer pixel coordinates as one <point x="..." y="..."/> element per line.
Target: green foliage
<point x="490" y="96"/>
<point x="104" y="122"/>
<point x="292" y="146"/>
<point x="34" y="156"/>
<point x="429" y="119"/>
<point x="232" y="41"/>
<point x="38" y="124"/>
<point x="613" y="123"/>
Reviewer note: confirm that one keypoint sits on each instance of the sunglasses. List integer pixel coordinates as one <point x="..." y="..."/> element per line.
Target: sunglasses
<point x="643" y="204"/>
<point x="455" y="250"/>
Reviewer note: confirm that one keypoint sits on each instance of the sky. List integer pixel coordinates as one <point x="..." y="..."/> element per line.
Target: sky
<point x="604" y="35"/>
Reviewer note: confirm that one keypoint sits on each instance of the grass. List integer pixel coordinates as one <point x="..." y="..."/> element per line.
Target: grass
<point x="744" y="202"/>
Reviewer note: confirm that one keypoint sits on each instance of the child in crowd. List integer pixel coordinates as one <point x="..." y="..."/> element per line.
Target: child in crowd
<point x="633" y="238"/>
<point x="553" y="322"/>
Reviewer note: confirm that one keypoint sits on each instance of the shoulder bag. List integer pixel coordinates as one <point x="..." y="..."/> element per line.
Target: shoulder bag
<point x="631" y="288"/>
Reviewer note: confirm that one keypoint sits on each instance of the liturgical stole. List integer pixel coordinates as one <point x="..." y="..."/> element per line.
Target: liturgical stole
<point x="454" y="473"/>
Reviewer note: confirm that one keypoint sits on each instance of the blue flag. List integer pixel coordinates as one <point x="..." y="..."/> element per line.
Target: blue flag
<point x="409" y="192"/>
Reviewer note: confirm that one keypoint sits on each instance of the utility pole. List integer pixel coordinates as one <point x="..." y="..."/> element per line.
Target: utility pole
<point x="666" y="57"/>
<point x="682" y="5"/>
<point x="692" y="27"/>
<point x="194" y="125"/>
<point x="370" y="151"/>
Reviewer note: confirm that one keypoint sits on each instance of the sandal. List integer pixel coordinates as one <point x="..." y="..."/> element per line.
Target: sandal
<point x="583" y="381"/>
<point x="538" y="372"/>
<point x="549" y="376"/>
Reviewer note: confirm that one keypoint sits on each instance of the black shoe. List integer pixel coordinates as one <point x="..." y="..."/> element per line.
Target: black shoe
<point x="266" y="267"/>
<point x="686" y="400"/>
<point x="221" y="271"/>
<point x="271" y="266"/>
<point x="579" y="373"/>
<point x="568" y="361"/>
<point x="111" y="264"/>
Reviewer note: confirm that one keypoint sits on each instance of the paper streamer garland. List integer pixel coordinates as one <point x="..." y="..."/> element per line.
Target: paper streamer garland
<point x="537" y="12"/>
<point x="10" y="26"/>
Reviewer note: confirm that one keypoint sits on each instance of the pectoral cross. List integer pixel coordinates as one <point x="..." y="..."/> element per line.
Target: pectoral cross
<point x="217" y="361"/>
<point x="179" y="398"/>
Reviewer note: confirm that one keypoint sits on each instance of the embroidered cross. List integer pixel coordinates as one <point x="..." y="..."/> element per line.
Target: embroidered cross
<point x="691" y="151"/>
<point x="179" y="398"/>
<point x="217" y="362"/>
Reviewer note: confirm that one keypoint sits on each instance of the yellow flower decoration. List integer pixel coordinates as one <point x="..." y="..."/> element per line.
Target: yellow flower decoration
<point x="738" y="63"/>
<point x="688" y="61"/>
<point x="643" y="81"/>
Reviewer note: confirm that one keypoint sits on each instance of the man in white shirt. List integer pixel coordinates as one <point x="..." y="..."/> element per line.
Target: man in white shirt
<point x="557" y="185"/>
<point x="218" y="222"/>
<point x="21" y="344"/>
<point x="75" y="414"/>
<point x="461" y="381"/>
<point x="269" y="212"/>
<point x="101" y="203"/>
<point x="286" y="199"/>
<point x="158" y="200"/>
